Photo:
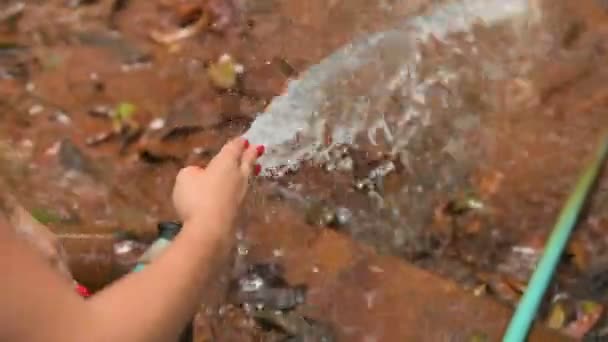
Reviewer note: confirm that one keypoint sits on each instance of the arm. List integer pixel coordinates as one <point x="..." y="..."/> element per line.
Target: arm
<point x="152" y="305"/>
<point x="35" y="233"/>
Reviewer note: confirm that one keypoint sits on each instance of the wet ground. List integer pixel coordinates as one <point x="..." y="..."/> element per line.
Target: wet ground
<point x="102" y="102"/>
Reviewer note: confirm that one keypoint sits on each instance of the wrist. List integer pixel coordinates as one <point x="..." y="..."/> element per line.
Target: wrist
<point x="206" y="228"/>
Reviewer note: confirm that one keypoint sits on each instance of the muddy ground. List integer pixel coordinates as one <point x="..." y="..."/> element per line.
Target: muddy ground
<point x="66" y="66"/>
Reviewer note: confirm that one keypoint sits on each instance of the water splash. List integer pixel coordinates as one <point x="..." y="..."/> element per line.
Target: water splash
<point x="349" y="92"/>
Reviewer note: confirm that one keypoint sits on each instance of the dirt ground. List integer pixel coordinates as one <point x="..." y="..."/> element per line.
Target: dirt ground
<point x="65" y="66"/>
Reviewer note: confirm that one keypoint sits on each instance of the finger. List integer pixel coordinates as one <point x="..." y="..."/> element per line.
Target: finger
<point x="188" y="171"/>
<point x="233" y="149"/>
<point x="248" y="165"/>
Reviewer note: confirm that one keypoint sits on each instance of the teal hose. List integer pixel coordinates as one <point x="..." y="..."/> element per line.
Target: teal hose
<point x="528" y="306"/>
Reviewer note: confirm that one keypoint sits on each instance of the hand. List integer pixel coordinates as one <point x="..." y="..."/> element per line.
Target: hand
<point x="213" y="195"/>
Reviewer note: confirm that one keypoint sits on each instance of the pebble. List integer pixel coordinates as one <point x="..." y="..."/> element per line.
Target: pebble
<point x="242" y="250"/>
<point x="62" y="118"/>
<point x="343" y="216"/>
<point x="157" y="124"/>
<point x="35" y="109"/>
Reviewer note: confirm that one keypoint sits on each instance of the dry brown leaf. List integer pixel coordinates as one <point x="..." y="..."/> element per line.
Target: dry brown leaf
<point x="169" y="38"/>
<point x="490" y="183"/>
<point x="503" y="290"/>
<point x="588" y="315"/>
<point x="580" y="254"/>
<point x="515" y="284"/>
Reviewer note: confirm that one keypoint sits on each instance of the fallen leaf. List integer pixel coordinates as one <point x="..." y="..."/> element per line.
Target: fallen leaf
<point x="463" y="204"/>
<point x="45" y="216"/>
<point x="125" y="110"/>
<point x="490" y="183"/>
<point x="557" y="316"/>
<point x="479" y="337"/>
<point x="123" y="114"/>
<point x="580" y="255"/>
<point x="223" y="74"/>
<point x="503" y="290"/>
<point x="515" y="284"/>
<point x="588" y="314"/>
<point x="187" y="32"/>
<point x="480" y="290"/>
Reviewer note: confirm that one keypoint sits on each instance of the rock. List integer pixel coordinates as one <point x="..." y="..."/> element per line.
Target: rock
<point x="72" y="158"/>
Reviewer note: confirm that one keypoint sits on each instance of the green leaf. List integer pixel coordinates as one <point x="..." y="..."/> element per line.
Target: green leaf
<point x="557" y="316"/>
<point x="223" y="74"/>
<point x="479" y="336"/>
<point x="125" y="111"/>
<point x="45" y="216"/>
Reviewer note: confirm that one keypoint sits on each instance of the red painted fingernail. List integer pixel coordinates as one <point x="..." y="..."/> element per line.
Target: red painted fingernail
<point x="83" y="291"/>
<point x="246" y="143"/>
<point x="260" y="150"/>
<point x="257" y="169"/>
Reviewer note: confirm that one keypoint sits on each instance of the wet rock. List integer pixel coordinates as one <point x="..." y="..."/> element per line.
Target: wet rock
<point x="191" y="115"/>
<point x="323" y="214"/>
<point x="343" y="216"/>
<point x="125" y="50"/>
<point x="520" y="261"/>
<point x="72" y="158"/>
<point x="593" y="283"/>
<point x="286" y="298"/>
<point x="296" y="327"/>
<point x="271" y="274"/>
<point x="265" y="81"/>
<point x="262" y="286"/>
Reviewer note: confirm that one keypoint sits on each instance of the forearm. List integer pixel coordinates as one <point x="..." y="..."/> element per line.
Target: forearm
<point x="156" y="303"/>
<point x="152" y="305"/>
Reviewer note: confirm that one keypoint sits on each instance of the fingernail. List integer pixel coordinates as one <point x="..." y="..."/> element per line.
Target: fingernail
<point x="83" y="291"/>
<point x="257" y="169"/>
<point x="260" y="150"/>
<point x="246" y="143"/>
